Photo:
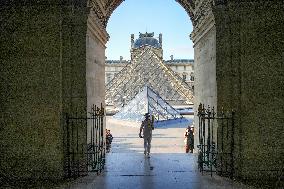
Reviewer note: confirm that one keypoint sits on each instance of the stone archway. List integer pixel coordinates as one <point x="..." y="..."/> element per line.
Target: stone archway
<point x="227" y="48"/>
<point x="47" y="71"/>
<point x="53" y="64"/>
<point x="203" y="36"/>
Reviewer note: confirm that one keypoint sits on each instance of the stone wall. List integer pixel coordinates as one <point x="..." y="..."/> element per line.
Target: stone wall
<point x="74" y="29"/>
<point x="262" y="81"/>
<point x="31" y="93"/>
<point x="43" y="76"/>
<point x="74" y="65"/>
<point x="248" y="72"/>
<point x="250" y="81"/>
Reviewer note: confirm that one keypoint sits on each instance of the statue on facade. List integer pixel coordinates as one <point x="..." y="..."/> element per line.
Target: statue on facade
<point x="132" y="39"/>
<point x="141" y="35"/>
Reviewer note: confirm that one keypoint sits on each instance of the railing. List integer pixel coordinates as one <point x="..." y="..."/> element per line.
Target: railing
<point x="216" y="141"/>
<point x="84" y="143"/>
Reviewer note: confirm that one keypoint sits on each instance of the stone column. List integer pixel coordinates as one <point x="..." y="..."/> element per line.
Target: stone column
<point x="42" y="77"/>
<point x="204" y="39"/>
<point x="249" y="57"/>
<point x="96" y="40"/>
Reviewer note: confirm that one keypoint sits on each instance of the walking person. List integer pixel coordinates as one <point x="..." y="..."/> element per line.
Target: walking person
<point x="146" y="128"/>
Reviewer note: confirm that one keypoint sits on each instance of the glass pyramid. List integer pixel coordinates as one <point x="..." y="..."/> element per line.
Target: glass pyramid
<point x="147" y="101"/>
<point x="147" y="69"/>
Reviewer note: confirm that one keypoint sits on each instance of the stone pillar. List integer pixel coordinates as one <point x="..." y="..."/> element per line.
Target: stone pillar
<point x="205" y="85"/>
<point x="96" y="40"/>
<point x="43" y="76"/>
<point x="249" y="58"/>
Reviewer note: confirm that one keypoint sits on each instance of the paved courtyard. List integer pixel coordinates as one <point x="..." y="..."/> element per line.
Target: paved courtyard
<point x="168" y="167"/>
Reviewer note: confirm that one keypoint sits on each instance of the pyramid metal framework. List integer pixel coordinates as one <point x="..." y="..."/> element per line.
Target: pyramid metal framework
<point x="147" y="101"/>
<point x="147" y="68"/>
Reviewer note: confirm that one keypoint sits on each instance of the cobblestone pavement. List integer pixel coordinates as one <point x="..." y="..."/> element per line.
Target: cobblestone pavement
<point x="167" y="168"/>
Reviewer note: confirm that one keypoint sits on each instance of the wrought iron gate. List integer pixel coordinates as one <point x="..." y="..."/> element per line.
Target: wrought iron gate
<point x="84" y="143"/>
<point x="216" y="141"/>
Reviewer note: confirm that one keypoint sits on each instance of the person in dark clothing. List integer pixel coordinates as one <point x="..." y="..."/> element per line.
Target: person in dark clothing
<point x="189" y="139"/>
<point x="108" y="140"/>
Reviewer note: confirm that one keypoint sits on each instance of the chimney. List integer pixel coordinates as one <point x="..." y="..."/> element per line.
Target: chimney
<point x="132" y="40"/>
<point x="161" y="39"/>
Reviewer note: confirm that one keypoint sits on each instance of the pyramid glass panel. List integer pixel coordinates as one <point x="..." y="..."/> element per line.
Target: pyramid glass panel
<point x="147" y="101"/>
<point x="147" y="69"/>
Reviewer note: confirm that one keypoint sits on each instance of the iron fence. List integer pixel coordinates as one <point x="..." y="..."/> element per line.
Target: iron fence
<point x="85" y="143"/>
<point x="216" y="141"/>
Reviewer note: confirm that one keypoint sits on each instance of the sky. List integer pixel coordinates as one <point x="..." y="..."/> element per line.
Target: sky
<point x="159" y="16"/>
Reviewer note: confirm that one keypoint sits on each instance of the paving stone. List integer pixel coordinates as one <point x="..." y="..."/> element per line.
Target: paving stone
<point x="168" y="166"/>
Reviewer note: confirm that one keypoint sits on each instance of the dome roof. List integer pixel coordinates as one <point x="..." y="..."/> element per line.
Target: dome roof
<point x="147" y="41"/>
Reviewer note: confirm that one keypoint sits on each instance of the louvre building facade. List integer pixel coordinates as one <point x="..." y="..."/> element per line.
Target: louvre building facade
<point x="172" y="79"/>
<point x="183" y="67"/>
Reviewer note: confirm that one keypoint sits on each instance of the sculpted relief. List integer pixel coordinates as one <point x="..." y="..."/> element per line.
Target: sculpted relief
<point x="103" y="9"/>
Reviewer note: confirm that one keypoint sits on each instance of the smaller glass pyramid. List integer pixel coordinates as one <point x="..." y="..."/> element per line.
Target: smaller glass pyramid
<point x="147" y="101"/>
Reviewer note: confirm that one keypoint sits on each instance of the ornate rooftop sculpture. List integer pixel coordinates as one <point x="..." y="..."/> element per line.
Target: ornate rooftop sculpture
<point x="146" y="39"/>
<point x="141" y="35"/>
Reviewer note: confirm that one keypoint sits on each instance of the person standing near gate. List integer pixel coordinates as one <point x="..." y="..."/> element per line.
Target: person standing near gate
<point x="189" y="139"/>
<point x="146" y="127"/>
